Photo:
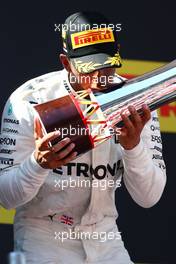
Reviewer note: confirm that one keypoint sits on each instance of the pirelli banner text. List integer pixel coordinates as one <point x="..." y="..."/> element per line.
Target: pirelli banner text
<point x="167" y="113"/>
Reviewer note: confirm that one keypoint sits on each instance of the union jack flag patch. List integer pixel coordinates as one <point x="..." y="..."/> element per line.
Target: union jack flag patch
<point x="64" y="219"/>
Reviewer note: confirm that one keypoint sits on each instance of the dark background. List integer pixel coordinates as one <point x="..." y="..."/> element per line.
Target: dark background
<point x="29" y="46"/>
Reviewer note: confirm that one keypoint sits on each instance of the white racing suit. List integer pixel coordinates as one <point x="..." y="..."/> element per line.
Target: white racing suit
<point x="61" y="217"/>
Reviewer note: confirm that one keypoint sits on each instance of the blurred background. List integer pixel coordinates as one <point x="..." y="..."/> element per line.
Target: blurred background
<point x="30" y="46"/>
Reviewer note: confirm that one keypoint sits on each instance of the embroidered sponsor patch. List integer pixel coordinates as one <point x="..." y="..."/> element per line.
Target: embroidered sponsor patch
<point x="64" y="219"/>
<point x="11" y="121"/>
<point x="85" y="170"/>
<point x="91" y="37"/>
<point x="7" y="151"/>
<point x="10" y="130"/>
<point x="6" y="161"/>
<point x="8" y="141"/>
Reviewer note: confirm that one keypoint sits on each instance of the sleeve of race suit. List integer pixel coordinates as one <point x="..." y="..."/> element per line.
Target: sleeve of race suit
<point x="144" y="167"/>
<point x="20" y="175"/>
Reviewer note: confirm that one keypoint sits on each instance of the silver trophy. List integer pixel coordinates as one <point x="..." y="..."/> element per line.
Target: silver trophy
<point x="93" y="117"/>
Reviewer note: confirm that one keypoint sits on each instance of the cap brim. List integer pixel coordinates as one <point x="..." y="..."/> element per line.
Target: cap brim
<point x="90" y="63"/>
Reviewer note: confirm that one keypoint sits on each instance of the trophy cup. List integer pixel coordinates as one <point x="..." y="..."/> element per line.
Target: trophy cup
<point x="89" y="119"/>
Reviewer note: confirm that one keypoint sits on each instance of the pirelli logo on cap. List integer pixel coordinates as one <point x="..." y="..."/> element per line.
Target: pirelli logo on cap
<point x="91" y="37"/>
